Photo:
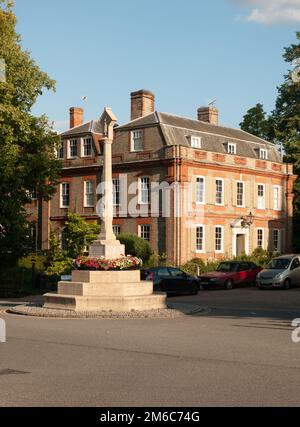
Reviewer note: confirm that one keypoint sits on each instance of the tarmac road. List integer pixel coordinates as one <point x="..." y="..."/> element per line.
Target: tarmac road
<point x="238" y="353"/>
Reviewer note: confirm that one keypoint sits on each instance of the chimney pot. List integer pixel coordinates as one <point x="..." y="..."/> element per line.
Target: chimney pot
<point x="76" y="117"/>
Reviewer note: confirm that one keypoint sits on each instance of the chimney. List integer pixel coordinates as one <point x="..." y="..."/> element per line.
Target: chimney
<point x="76" y="117"/>
<point x="142" y="103"/>
<point x="209" y="114"/>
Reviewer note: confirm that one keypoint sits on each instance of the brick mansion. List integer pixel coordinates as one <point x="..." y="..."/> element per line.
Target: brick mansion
<point x="241" y="190"/>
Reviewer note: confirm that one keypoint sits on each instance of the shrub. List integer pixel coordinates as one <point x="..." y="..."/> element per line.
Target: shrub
<point x="197" y="264"/>
<point x="79" y="234"/>
<point x="194" y="266"/>
<point x="260" y="256"/>
<point x="136" y="246"/>
<point x="156" y="260"/>
<point x="57" y="262"/>
<point x="26" y="262"/>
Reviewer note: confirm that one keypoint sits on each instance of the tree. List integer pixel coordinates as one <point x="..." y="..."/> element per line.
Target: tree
<point x="79" y="234"/>
<point x="287" y="117"/>
<point x="258" y="123"/>
<point x="287" y="110"/>
<point x="27" y="143"/>
<point x="136" y="246"/>
<point x="57" y="262"/>
<point x="284" y="124"/>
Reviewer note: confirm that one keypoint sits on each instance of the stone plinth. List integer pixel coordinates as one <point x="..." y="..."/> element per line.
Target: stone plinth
<point x="118" y="291"/>
<point x="107" y="249"/>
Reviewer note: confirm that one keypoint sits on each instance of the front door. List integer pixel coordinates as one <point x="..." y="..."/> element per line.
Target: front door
<point x="240" y="244"/>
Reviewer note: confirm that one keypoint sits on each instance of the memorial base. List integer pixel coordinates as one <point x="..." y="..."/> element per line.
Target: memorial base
<point x="109" y="249"/>
<point x="116" y="291"/>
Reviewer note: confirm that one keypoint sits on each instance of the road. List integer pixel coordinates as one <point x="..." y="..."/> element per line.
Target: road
<point x="239" y="352"/>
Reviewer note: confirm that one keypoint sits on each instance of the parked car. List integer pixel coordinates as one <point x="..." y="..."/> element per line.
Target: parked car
<point x="282" y="272"/>
<point x="171" y="280"/>
<point x="230" y="274"/>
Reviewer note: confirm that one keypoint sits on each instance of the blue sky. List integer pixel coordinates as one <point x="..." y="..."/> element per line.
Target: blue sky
<point x="187" y="52"/>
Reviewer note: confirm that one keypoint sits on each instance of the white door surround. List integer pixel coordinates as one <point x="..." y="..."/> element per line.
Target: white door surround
<point x="237" y="229"/>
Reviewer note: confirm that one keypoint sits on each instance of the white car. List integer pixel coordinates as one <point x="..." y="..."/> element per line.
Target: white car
<point x="282" y="272"/>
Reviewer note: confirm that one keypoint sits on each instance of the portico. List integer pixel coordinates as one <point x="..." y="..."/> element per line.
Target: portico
<point x="240" y="238"/>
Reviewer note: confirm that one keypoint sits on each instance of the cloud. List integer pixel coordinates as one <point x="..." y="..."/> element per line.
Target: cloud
<point x="271" y="11"/>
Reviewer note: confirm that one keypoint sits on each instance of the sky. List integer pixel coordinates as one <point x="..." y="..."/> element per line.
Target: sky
<point x="188" y="52"/>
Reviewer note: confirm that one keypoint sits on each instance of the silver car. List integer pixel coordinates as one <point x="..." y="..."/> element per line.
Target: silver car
<point x="282" y="272"/>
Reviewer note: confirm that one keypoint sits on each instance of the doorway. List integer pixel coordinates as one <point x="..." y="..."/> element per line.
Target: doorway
<point x="240" y="244"/>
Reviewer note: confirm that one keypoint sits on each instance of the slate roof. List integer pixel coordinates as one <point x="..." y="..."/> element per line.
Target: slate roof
<point x="93" y="126"/>
<point x="177" y="130"/>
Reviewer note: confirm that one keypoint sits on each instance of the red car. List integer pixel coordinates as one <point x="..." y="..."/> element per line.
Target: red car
<point x="230" y="274"/>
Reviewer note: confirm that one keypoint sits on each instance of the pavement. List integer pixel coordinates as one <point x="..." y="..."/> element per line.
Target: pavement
<point x="238" y="352"/>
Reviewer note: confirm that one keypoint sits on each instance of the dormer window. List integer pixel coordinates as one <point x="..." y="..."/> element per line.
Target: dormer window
<point x="87" y="147"/>
<point x="263" y="154"/>
<point x="196" y="142"/>
<point x="231" y="148"/>
<point x="60" y="151"/>
<point x="137" y="140"/>
<point x="73" y="150"/>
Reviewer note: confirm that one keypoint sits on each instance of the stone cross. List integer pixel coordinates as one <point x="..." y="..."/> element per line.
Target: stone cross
<point x="107" y="245"/>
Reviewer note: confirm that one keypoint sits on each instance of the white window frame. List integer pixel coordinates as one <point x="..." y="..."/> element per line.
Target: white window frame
<point x="263" y="237"/>
<point x="114" y="229"/>
<point x="69" y="156"/>
<point x="200" y="251"/>
<point x="62" y="206"/>
<point x="229" y="148"/>
<point x="263" y="205"/>
<point x="200" y="202"/>
<point x="263" y="154"/>
<point x="278" y="206"/>
<point x="61" y="150"/>
<point x="140" y="139"/>
<point x="141" y="201"/>
<point x="86" y="195"/>
<point x="237" y="194"/>
<point x="219" y="251"/>
<point x="196" y="142"/>
<point x="116" y="191"/>
<point x="279" y="239"/>
<point x="87" y="138"/>
<point x="141" y="235"/>
<point x="222" y="180"/>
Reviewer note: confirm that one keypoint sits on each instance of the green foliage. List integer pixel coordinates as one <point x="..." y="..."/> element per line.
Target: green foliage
<point x="27" y="159"/>
<point x="79" y="234"/>
<point x="285" y="124"/>
<point x="136" y="246"/>
<point x="194" y="266"/>
<point x="198" y="265"/>
<point x="26" y="262"/>
<point x="259" y="257"/>
<point x="156" y="260"/>
<point x="287" y="117"/>
<point x="57" y="262"/>
<point x="257" y="123"/>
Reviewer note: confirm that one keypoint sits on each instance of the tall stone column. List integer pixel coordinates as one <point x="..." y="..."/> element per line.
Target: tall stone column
<point x="107" y="233"/>
<point x="107" y="245"/>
